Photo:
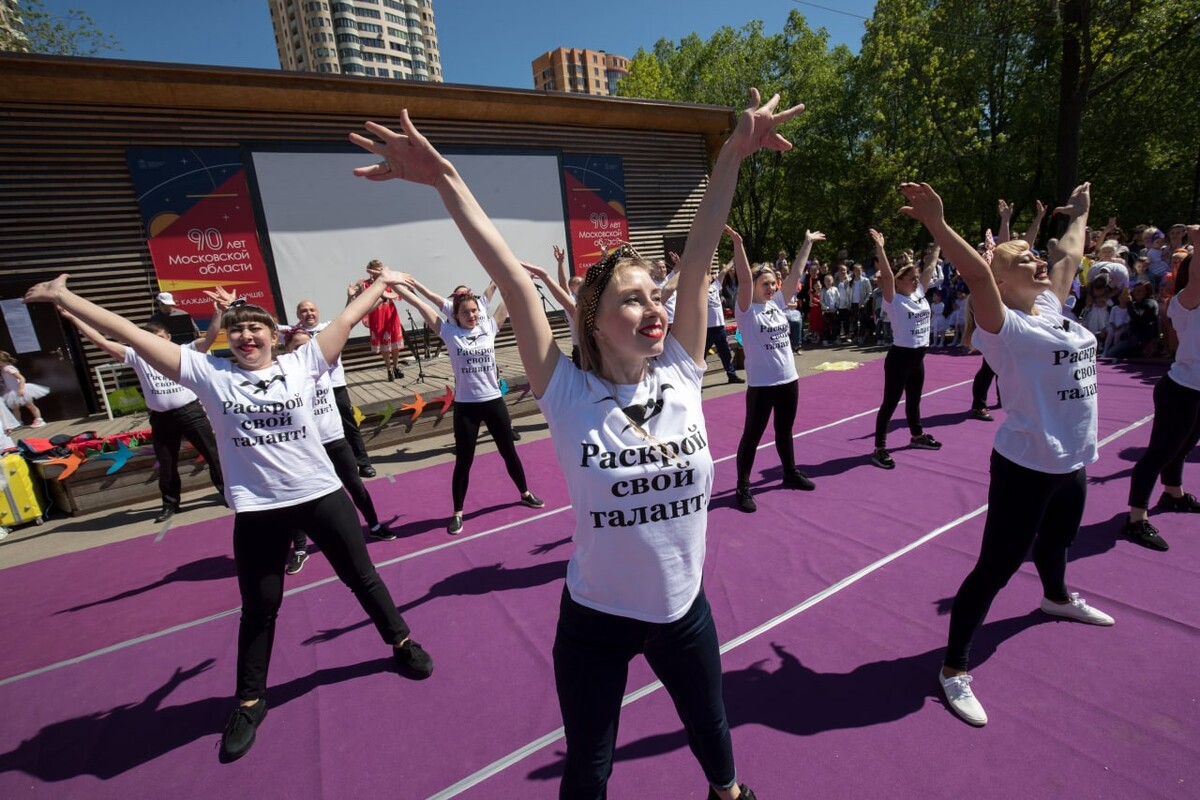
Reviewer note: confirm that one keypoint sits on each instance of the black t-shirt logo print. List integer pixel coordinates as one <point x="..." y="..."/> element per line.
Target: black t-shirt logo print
<point x="474" y="338"/>
<point x="639" y="414"/>
<point x="262" y="386"/>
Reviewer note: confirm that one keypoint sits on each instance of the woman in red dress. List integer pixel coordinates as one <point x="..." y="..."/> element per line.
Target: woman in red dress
<point x="383" y="321"/>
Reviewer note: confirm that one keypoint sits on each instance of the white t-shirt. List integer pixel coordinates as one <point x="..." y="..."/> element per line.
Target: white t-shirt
<point x="325" y="411"/>
<point x="1185" y="370"/>
<point x="1046" y="366"/>
<point x="764" y="329"/>
<point x="909" y="315"/>
<point x="161" y="393"/>
<point x="716" y="312"/>
<point x="267" y="439"/>
<point x="640" y="515"/>
<point x="669" y="307"/>
<point x="1118" y="274"/>
<point x="473" y="360"/>
<point x="337" y="376"/>
<point x="1118" y="317"/>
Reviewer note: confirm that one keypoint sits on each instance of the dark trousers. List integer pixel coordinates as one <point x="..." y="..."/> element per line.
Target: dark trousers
<point x="260" y="549"/>
<point x="1175" y="432"/>
<point x="341" y="396"/>
<point x="347" y="471"/>
<point x="169" y="429"/>
<point x="1025" y="507"/>
<point x="467" y="419"/>
<point x="829" y="326"/>
<point x="592" y="651"/>
<point x="903" y="374"/>
<point x="716" y="337"/>
<point x="980" y="386"/>
<point x="761" y="402"/>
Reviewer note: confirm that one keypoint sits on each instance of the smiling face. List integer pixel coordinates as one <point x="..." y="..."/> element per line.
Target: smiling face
<point x="631" y="322"/>
<point x="466" y="313"/>
<point x="765" y="286"/>
<point x="1020" y="275"/>
<point x="906" y="281"/>
<point x="251" y="342"/>
<point x="306" y="314"/>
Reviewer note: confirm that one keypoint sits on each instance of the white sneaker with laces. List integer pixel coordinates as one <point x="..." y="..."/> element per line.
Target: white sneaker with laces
<point x="960" y="698"/>
<point x="1077" y="609"/>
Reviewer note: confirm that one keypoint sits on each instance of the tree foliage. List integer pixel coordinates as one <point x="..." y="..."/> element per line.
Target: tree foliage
<point x="72" y="34"/>
<point x="981" y="98"/>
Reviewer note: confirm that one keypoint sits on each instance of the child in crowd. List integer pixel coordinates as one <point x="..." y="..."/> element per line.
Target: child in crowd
<point x="20" y="393"/>
<point x="1117" y="328"/>
<point x="937" y="320"/>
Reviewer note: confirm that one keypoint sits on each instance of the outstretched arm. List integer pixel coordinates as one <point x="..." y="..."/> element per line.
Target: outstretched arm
<point x="409" y="156"/>
<point x="115" y="349"/>
<point x="1030" y="235"/>
<point x="741" y="266"/>
<point x="221" y="300"/>
<point x="1066" y="257"/>
<point x="423" y="290"/>
<point x="1006" y="212"/>
<point x="756" y="129"/>
<point x="560" y="255"/>
<point x="430" y="314"/>
<point x="928" y="266"/>
<point x="333" y="337"/>
<point x="560" y="294"/>
<point x="161" y="354"/>
<point x="883" y="268"/>
<point x="925" y="206"/>
<point x="1189" y="298"/>
<point x="800" y="265"/>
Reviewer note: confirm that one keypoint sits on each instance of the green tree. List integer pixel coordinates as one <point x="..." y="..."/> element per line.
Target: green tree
<point x="73" y="34"/>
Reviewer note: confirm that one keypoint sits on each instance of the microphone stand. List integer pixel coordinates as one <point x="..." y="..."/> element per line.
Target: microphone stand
<point x="545" y="302"/>
<point x="416" y="351"/>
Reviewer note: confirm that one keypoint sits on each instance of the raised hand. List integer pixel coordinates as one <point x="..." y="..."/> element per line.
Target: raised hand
<point x="559" y="254"/>
<point x="1040" y="210"/>
<point x="737" y="237"/>
<point x="391" y="277"/>
<point x="756" y="126"/>
<point x="877" y="238"/>
<point x="353" y="289"/>
<point x="1079" y="202"/>
<point x="536" y="271"/>
<point x="408" y="155"/>
<point x="924" y="204"/>
<point x="221" y="298"/>
<point x="1006" y="211"/>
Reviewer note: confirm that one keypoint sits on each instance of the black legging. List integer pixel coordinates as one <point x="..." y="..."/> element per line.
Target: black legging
<point x="169" y="429"/>
<point x="260" y="545"/>
<point x="980" y="386"/>
<point x="903" y="374"/>
<point x="1024" y="507"/>
<point x="467" y="418"/>
<point x="341" y="396"/>
<point x="761" y="401"/>
<point x="346" y="468"/>
<point x="1175" y="432"/>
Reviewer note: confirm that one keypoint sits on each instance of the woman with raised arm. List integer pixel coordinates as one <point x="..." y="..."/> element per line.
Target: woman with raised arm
<point x="903" y="299"/>
<point x="1176" y="427"/>
<point x="471" y="345"/>
<point x="629" y="436"/>
<point x="260" y="408"/>
<point x="772" y="382"/>
<point x="1046" y="363"/>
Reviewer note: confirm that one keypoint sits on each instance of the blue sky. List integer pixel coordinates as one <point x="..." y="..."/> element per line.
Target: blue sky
<point x="483" y="42"/>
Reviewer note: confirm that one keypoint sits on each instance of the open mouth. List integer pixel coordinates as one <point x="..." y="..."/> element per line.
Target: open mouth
<point x="654" y="331"/>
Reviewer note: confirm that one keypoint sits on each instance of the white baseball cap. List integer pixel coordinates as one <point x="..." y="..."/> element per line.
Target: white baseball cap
<point x="166" y="299"/>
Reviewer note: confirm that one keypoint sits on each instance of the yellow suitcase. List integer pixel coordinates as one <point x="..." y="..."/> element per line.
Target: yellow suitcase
<point x="22" y="499"/>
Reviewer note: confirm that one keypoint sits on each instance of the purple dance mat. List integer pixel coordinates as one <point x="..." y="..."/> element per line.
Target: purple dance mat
<point x="832" y="606"/>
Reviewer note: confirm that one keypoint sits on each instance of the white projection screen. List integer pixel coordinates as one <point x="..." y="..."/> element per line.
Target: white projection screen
<point x="322" y="224"/>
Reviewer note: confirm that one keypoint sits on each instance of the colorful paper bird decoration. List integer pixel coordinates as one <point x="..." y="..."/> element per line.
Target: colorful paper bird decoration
<point x="416" y="406"/>
<point x="445" y="399"/>
<point x="119" y="457"/>
<point x="358" y="416"/>
<point x="70" y="464"/>
<point x="388" y="411"/>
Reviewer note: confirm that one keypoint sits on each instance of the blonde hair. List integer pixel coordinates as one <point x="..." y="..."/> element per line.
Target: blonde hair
<point x="1008" y="252"/>
<point x="587" y="302"/>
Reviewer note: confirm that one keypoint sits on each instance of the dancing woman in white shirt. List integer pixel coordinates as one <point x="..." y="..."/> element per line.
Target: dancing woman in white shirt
<point x="630" y="438"/>
<point x="261" y="411"/>
<point x="1046" y="363"/>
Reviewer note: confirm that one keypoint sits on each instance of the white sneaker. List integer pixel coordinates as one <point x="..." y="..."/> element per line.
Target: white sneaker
<point x="1077" y="609"/>
<point x="960" y="698"/>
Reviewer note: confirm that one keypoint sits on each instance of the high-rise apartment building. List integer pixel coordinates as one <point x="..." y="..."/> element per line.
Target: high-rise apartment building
<point x="581" y="71"/>
<point x="376" y="38"/>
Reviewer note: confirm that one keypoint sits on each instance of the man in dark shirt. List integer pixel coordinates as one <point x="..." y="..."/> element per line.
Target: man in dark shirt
<point x="178" y="322"/>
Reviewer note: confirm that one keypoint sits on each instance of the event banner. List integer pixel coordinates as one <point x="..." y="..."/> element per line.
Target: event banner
<point x="199" y="222"/>
<point x="595" y="206"/>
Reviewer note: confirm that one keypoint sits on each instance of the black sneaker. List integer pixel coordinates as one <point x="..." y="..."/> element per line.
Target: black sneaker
<point x="1187" y="503"/>
<point x="745" y="502"/>
<point x="381" y="531"/>
<point x="455" y="527"/>
<point x="745" y="793"/>
<point x="296" y="562"/>
<point x="795" y="479"/>
<point x="413" y="662"/>
<point x="390" y="376"/>
<point x="168" y="510"/>
<point x="1145" y="534"/>
<point x="241" y="729"/>
<point x="982" y="415"/>
<point x="736" y="379"/>
<point x="516" y="435"/>
<point x="532" y="500"/>
<point x="882" y="459"/>
<point x="366" y="472"/>
<point x="925" y="442"/>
